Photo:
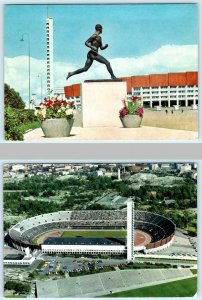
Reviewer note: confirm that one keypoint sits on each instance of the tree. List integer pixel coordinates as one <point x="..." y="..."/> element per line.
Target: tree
<point x="32" y="275"/>
<point x="7" y="225"/>
<point x="11" y="122"/>
<point x="12" y="98"/>
<point x="18" y="286"/>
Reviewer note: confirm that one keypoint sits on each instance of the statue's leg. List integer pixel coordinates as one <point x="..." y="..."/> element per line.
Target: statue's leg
<point x="88" y="63"/>
<point x="103" y="60"/>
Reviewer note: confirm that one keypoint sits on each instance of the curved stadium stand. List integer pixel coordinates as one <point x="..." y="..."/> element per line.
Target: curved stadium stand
<point x="160" y="228"/>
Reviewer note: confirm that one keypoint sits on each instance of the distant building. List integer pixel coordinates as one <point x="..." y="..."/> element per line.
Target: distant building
<point x="178" y="166"/>
<point x="154" y="167"/>
<point x="101" y="172"/>
<point x="165" y="166"/>
<point x="18" y="259"/>
<point x="185" y="168"/>
<point x="73" y="93"/>
<point x="136" y="168"/>
<point x="153" y="193"/>
<point x="193" y="175"/>
<point x="17" y="167"/>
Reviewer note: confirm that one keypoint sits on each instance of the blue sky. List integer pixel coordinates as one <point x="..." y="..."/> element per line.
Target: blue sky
<point x="142" y="38"/>
<point x="130" y="30"/>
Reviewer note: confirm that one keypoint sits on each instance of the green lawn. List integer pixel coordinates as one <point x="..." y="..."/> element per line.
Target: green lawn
<point x="166" y="260"/>
<point x="30" y="125"/>
<point x="88" y="233"/>
<point x="181" y="288"/>
<point x="95" y="233"/>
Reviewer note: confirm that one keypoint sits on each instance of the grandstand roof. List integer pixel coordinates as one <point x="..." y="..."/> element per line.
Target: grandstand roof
<point x="83" y="241"/>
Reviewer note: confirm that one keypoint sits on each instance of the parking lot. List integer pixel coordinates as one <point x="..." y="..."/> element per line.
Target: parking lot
<point x="64" y="265"/>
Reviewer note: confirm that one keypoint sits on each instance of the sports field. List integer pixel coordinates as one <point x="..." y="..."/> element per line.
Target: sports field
<point x="95" y="233"/>
<point x="39" y="239"/>
<point x="141" y="238"/>
<point x="181" y="288"/>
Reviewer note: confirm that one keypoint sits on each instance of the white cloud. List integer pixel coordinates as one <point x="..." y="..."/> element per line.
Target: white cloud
<point x="168" y="58"/>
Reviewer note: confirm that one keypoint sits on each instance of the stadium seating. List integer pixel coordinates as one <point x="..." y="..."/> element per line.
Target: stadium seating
<point x="157" y="226"/>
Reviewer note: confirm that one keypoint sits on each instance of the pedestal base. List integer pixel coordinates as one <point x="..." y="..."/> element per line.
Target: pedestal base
<point x="101" y="102"/>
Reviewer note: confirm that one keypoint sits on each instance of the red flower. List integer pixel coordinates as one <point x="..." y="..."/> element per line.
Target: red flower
<point x="49" y="103"/>
<point x="123" y="112"/>
<point x="55" y="104"/>
<point x="139" y="111"/>
<point x="72" y="104"/>
<point x="134" y="99"/>
<point x="64" y="102"/>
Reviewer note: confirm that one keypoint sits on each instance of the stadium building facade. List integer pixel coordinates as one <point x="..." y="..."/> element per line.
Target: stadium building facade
<point x="163" y="90"/>
<point x="84" y="246"/>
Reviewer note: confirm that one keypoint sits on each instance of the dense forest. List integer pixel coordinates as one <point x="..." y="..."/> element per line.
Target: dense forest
<point x="80" y="193"/>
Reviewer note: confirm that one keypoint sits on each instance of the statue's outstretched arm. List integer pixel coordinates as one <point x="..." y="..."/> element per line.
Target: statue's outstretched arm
<point x="103" y="47"/>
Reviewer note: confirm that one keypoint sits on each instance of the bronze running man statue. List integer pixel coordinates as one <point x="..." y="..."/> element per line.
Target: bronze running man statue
<point x="94" y="43"/>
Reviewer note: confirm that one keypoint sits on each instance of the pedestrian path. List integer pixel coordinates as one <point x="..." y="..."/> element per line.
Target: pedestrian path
<point x="144" y="133"/>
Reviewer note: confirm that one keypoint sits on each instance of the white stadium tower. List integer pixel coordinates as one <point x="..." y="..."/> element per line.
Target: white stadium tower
<point x="49" y="54"/>
<point x="130" y="229"/>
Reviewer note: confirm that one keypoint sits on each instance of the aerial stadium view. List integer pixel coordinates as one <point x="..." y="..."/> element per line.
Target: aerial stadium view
<point x="100" y="229"/>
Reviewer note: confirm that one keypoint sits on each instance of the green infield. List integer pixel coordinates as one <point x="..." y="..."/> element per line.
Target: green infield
<point x="180" y="288"/>
<point x="95" y="233"/>
<point x="87" y="233"/>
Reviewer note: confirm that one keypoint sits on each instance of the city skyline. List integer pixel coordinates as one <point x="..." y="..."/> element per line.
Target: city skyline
<point x="138" y="41"/>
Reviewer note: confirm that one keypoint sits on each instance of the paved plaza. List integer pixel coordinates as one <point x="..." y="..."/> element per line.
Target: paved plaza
<point x="144" y="133"/>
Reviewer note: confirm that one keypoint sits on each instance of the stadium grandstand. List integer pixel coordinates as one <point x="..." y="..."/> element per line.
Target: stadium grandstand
<point x="157" y="231"/>
<point x="168" y="89"/>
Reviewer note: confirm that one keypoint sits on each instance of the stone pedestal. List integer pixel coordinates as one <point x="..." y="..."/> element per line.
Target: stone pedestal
<point x="101" y="102"/>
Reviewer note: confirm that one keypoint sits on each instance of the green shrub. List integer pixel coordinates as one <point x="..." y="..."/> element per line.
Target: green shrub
<point x="17" y="122"/>
<point x="19" y="287"/>
<point x="27" y="115"/>
<point x="12" y="125"/>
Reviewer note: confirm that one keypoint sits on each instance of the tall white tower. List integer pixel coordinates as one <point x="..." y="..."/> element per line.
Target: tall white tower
<point x="119" y="174"/>
<point x="130" y="229"/>
<point x="49" y="55"/>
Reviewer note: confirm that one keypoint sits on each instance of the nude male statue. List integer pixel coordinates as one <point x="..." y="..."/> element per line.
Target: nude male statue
<point x="94" y="43"/>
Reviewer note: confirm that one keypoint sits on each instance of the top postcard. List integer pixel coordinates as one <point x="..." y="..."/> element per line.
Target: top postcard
<point x="119" y="72"/>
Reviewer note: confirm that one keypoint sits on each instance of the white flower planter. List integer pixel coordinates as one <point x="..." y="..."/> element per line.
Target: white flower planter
<point x="57" y="127"/>
<point x="131" y="121"/>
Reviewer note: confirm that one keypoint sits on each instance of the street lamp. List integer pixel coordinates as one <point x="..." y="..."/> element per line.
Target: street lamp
<point x="40" y="75"/>
<point x="22" y="40"/>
